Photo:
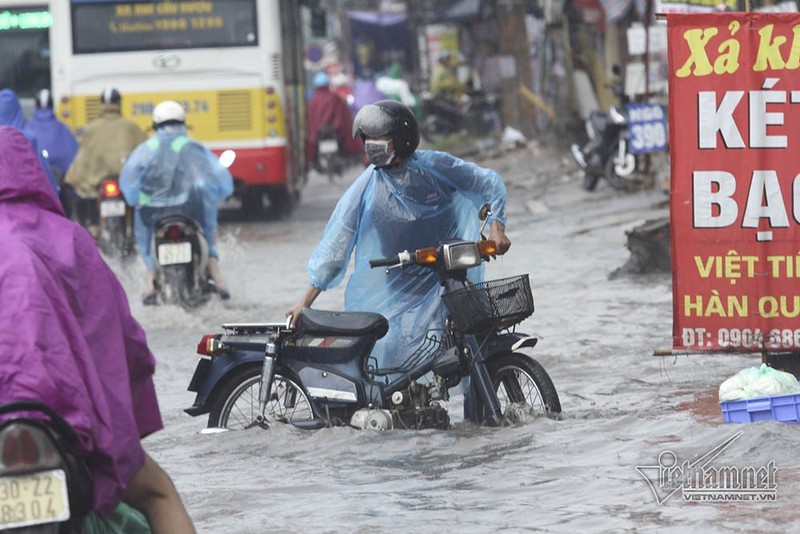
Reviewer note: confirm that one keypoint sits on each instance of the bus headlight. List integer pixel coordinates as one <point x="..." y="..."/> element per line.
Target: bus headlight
<point x="227" y="158"/>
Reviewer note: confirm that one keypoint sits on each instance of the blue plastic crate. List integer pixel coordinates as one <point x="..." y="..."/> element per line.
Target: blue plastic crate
<point x="784" y="408"/>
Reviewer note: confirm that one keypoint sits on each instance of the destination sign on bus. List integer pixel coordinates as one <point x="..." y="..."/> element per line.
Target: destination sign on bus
<point x="129" y="26"/>
<point x="24" y="20"/>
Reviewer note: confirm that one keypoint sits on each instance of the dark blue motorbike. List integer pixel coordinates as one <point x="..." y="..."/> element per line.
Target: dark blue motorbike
<point x="320" y="373"/>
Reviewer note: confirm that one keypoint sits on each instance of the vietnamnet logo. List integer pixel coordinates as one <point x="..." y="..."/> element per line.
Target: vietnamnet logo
<point x="699" y="480"/>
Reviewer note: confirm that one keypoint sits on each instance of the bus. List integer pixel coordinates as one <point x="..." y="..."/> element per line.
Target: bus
<point x="235" y="65"/>
<point x="25" y="48"/>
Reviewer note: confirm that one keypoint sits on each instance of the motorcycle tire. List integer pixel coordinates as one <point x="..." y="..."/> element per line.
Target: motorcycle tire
<point x="614" y="180"/>
<point x="432" y="129"/>
<point x="175" y="288"/>
<point x="523" y="388"/>
<point x="590" y="181"/>
<point x="235" y="405"/>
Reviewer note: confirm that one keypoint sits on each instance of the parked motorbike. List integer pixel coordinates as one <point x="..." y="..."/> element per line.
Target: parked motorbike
<point x="320" y="373"/>
<point x="476" y="113"/>
<point x="115" y="235"/>
<point x="607" y="151"/>
<point x="330" y="160"/>
<point x="45" y="487"/>
<point x="181" y="257"/>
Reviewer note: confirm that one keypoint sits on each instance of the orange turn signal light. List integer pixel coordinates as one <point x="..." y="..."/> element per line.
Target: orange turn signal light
<point x="426" y="255"/>
<point x="487" y="247"/>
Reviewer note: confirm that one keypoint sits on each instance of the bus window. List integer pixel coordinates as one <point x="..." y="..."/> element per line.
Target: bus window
<point x="24" y="41"/>
<point x="104" y="27"/>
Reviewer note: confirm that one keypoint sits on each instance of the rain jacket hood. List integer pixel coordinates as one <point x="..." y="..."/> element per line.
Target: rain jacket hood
<point x="11" y="110"/>
<point x="430" y="197"/>
<point x="66" y="332"/>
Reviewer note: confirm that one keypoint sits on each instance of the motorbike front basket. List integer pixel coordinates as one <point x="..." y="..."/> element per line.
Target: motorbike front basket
<point x="490" y="306"/>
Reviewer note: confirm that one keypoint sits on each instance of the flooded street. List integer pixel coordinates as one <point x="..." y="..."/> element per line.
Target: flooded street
<point x="622" y="406"/>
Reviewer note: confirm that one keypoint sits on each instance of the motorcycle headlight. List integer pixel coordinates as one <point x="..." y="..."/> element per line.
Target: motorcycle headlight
<point x="616" y="116"/>
<point x="461" y="255"/>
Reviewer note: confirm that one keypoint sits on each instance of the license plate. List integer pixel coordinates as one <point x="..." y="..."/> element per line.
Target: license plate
<point x="112" y="208"/>
<point x="328" y="146"/>
<point x="33" y="499"/>
<point x="174" y="253"/>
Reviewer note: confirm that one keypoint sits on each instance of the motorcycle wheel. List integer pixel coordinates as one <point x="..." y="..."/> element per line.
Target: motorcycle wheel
<point x="431" y="129"/>
<point x="614" y="179"/>
<point x="175" y="289"/>
<point x="590" y="181"/>
<point x="236" y="405"/>
<point x="523" y="388"/>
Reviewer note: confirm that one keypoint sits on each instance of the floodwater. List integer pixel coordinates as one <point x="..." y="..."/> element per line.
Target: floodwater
<point x="623" y="407"/>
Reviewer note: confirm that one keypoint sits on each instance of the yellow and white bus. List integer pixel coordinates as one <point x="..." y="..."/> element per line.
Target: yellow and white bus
<point x="235" y="65"/>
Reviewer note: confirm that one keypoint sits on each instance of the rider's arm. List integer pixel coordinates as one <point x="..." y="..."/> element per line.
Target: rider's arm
<point x="308" y="299"/>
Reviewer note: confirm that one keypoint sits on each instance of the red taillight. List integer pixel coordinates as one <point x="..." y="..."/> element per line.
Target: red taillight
<point x="209" y="345"/>
<point x="111" y="188"/>
<point x="19" y="448"/>
<point x="174" y="233"/>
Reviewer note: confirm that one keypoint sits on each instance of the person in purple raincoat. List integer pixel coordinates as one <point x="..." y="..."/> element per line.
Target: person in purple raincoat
<point x="68" y="339"/>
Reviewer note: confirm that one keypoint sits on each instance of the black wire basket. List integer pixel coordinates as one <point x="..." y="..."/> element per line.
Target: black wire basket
<point x="490" y="306"/>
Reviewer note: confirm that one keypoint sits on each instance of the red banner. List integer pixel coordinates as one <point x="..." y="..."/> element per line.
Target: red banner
<point x="734" y="114"/>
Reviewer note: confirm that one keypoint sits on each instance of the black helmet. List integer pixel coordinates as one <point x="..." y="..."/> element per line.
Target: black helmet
<point x="44" y="99"/>
<point x="110" y="96"/>
<point x="389" y="117"/>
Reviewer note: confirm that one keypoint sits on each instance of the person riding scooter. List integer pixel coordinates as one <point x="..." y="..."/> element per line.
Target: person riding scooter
<point x="328" y="110"/>
<point x="171" y="173"/>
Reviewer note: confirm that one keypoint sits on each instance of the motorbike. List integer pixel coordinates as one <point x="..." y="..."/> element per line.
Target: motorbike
<point x="320" y="373"/>
<point x="181" y="257"/>
<point x="115" y="235"/>
<point x="607" y="151"/>
<point x="45" y="487"/>
<point x="476" y="113"/>
<point x="330" y="160"/>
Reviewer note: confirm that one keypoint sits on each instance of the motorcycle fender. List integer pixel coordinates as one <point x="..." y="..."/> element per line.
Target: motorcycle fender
<point x="211" y="373"/>
<point x="511" y="343"/>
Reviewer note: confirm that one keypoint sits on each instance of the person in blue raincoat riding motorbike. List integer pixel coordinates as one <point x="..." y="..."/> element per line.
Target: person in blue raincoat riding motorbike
<point x="171" y="172"/>
<point x="404" y="200"/>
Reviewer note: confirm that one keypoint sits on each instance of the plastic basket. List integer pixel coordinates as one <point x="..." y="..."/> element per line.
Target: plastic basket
<point x="490" y="306"/>
<point x="784" y="408"/>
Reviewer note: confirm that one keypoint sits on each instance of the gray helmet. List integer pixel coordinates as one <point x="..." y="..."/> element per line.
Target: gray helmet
<point x="389" y="117"/>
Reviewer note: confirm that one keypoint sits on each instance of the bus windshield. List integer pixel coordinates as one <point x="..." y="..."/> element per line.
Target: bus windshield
<point x="25" y="46"/>
<point x="102" y="27"/>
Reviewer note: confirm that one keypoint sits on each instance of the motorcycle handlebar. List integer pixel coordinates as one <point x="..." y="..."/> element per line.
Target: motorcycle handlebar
<point x="384" y="262"/>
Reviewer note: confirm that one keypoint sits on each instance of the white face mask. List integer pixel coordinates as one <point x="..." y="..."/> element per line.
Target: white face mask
<point x="377" y="152"/>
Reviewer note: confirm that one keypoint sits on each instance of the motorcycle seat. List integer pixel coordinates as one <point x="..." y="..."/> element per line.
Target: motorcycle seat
<point x="339" y="323"/>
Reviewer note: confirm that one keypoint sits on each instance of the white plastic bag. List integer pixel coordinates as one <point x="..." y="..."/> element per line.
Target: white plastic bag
<point x="754" y="382"/>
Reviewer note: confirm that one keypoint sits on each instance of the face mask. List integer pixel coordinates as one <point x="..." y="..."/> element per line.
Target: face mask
<point x="378" y="152"/>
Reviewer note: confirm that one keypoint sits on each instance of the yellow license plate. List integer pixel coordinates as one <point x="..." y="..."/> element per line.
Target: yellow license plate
<point x="33" y="499"/>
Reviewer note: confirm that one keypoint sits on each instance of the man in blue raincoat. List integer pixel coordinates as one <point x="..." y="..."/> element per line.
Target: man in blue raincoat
<point x="405" y="200"/>
<point x="11" y="115"/>
<point x="170" y="172"/>
<point x="54" y="139"/>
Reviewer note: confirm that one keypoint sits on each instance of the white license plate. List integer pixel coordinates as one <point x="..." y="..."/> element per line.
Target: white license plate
<point x="112" y="208"/>
<point x="328" y="146"/>
<point x="174" y="253"/>
<point x="33" y="499"/>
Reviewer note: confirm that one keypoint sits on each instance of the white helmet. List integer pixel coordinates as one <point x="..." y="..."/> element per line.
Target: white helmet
<point x="168" y="111"/>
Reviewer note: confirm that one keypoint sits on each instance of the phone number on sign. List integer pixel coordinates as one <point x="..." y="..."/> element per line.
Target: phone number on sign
<point x="745" y="338"/>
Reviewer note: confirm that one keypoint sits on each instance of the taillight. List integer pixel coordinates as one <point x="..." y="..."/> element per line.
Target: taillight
<point x="209" y="345"/>
<point x="24" y="446"/>
<point x="19" y="448"/>
<point x="110" y="188"/>
<point x="174" y="233"/>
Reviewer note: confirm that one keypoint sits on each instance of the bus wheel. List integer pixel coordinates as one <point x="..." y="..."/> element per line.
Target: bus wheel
<point x="281" y="201"/>
<point x="252" y="203"/>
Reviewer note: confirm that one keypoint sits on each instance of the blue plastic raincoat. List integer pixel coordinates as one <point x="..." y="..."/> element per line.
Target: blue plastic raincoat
<point x="11" y="115"/>
<point x="170" y="172"/>
<point x="53" y="136"/>
<point x="430" y="197"/>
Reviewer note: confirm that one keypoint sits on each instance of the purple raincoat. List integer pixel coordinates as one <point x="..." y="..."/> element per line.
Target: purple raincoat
<point x="67" y="337"/>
